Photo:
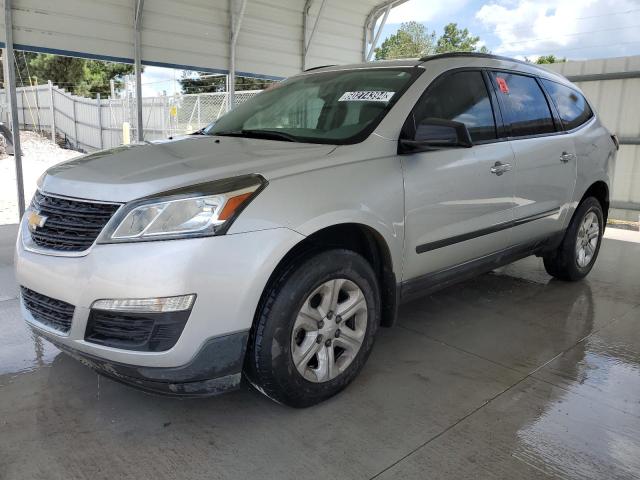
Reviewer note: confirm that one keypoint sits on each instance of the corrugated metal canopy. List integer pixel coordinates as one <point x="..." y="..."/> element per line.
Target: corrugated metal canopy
<point x="195" y="34"/>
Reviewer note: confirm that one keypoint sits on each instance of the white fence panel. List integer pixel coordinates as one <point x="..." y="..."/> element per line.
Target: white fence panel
<point x="93" y="124"/>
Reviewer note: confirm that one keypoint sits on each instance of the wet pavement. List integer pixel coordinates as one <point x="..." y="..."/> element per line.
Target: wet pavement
<point x="511" y="375"/>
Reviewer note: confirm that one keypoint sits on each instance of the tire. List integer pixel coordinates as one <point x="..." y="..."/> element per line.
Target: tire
<point x="295" y="356"/>
<point x="566" y="262"/>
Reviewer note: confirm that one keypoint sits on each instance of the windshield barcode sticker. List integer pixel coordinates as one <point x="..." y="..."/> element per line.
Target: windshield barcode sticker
<point x="366" y="96"/>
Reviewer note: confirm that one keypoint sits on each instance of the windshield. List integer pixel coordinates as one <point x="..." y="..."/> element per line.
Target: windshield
<point x="333" y="107"/>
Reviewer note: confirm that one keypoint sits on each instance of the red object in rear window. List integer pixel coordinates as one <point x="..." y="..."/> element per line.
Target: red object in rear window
<point x="502" y="84"/>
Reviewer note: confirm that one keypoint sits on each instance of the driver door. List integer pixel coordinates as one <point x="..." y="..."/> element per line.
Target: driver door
<point x="459" y="202"/>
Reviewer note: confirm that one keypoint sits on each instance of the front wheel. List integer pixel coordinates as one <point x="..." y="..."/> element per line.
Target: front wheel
<point x="315" y="328"/>
<point x="577" y="253"/>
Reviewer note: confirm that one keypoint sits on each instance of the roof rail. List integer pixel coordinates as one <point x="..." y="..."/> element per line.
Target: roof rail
<point x="473" y="54"/>
<point x="319" y="66"/>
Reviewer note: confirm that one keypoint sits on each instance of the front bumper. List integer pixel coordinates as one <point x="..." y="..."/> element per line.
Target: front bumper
<point x="228" y="274"/>
<point x="215" y="369"/>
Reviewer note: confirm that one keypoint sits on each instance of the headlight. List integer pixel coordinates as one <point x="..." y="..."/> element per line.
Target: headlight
<point x="197" y="211"/>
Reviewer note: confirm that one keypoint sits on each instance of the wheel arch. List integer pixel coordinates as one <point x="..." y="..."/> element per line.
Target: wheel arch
<point x="358" y="237"/>
<point x="600" y="191"/>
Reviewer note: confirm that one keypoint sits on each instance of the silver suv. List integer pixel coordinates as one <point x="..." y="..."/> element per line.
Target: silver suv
<point x="272" y="244"/>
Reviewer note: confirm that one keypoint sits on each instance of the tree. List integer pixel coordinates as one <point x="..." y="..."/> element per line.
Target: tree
<point x="410" y="41"/>
<point x="196" y="82"/>
<point x="545" y="59"/>
<point x="455" y="39"/>
<point x="77" y="75"/>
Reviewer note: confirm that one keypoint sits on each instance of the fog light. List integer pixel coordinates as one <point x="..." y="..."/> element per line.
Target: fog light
<point x="146" y="305"/>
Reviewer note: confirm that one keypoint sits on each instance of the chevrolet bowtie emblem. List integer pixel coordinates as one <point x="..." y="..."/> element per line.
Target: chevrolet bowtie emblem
<point x="36" y="221"/>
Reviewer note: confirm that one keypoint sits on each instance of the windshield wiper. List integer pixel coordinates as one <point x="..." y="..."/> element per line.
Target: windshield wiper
<point x="257" y="133"/>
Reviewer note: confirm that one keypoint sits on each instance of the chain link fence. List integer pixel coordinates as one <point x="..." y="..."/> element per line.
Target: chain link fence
<point x="93" y="124"/>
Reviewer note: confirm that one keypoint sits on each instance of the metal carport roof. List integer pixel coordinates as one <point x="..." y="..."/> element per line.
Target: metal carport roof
<point x="196" y="34"/>
<point x="263" y="38"/>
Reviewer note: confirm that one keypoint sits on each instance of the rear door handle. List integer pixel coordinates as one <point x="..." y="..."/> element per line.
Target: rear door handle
<point x="499" y="168"/>
<point x="566" y="157"/>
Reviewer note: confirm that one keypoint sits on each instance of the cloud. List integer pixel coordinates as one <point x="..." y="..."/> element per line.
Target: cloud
<point x="155" y="80"/>
<point x="425" y="10"/>
<point x="568" y="28"/>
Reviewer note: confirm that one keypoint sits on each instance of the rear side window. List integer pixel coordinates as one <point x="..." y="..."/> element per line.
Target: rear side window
<point x="572" y="106"/>
<point x="461" y="97"/>
<point x="526" y="106"/>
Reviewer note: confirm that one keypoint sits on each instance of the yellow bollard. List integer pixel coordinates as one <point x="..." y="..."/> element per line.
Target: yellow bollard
<point x="126" y="133"/>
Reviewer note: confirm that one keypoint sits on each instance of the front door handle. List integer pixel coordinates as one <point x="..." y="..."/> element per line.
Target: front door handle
<point x="499" y="168"/>
<point x="567" y="157"/>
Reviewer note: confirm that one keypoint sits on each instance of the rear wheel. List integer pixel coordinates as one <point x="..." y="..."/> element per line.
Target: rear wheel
<point x="577" y="253"/>
<point x="315" y="328"/>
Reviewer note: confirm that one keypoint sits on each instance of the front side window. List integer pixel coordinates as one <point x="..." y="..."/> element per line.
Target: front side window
<point x="327" y="107"/>
<point x="526" y="106"/>
<point x="461" y="97"/>
<point x="572" y="106"/>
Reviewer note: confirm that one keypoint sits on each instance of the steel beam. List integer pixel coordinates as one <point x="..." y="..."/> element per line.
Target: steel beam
<point x="595" y="77"/>
<point x="307" y="38"/>
<point x="10" y="89"/>
<point x="235" y="22"/>
<point x="376" y="39"/>
<point x="137" y="44"/>
<point x="371" y="20"/>
<point x="625" y="205"/>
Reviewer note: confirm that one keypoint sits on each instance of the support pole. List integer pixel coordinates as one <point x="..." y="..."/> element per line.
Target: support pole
<point x="52" y="112"/>
<point x="75" y="123"/>
<point x="164" y="114"/>
<point x="138" y="68"/>
<point x="370" y="24"/>
<point x="10" y="80"/>
<point x="234" y="30"/>
<point x="36" y="91"/>
<point x="99" y="103"/>
<point x="199" y="112"/>
<point x="376" y="39"/>
<point x="308" y="38"/>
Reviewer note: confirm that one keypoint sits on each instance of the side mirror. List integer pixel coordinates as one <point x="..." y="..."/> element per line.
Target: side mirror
<point x="435" y="134"/>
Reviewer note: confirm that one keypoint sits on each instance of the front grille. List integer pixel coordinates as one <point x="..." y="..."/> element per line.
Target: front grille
<point x="48" y="311"/>
<point x="150" y="332"/>
<point x="71" y="225"/>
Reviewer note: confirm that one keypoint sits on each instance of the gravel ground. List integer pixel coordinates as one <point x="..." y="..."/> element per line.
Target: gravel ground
<point x="39" y="153"/>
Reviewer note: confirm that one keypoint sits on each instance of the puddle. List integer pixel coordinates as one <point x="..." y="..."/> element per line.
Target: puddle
<point x="592" y="429"/>
<point x="21" y="350"/>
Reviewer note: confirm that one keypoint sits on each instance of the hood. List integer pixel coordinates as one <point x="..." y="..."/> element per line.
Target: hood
<point x="134" y="171"/>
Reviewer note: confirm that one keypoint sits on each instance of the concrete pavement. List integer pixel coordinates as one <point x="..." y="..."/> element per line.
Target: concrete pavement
<point x="510" y="375"/>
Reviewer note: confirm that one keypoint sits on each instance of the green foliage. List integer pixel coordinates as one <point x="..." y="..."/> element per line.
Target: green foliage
<point x="545" y="59"/>
<point x="412" y="40"/>
<point x="455" y="39"/>
<point x="202" y="83"/>
<point x="77" y="75"/>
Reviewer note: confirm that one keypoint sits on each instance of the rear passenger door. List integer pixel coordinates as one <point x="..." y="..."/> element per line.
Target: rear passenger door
<point x="545" y="157"/>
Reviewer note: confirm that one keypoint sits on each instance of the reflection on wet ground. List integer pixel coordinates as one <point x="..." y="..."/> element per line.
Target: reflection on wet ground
<point x="510" y="375"/>
<point x="21" y="351"/>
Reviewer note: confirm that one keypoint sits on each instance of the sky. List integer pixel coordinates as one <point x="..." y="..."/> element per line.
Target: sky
<point x="575" y="29"/>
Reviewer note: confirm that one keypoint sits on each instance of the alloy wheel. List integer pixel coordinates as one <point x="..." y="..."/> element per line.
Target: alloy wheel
<point x="329" y="330"/>
<point x="587" y="239"/>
